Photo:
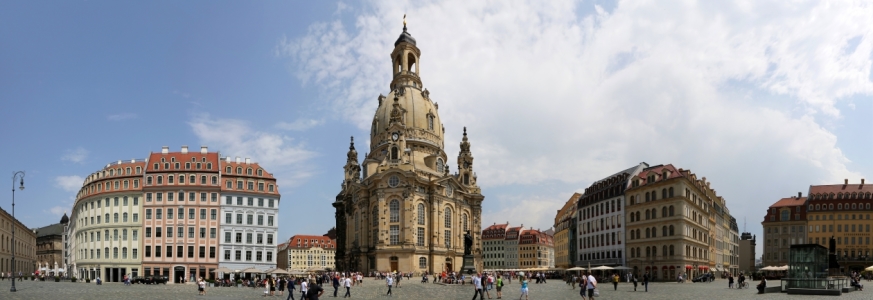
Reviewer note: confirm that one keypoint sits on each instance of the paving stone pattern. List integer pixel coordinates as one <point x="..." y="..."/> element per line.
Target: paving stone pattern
<point x="410" y="289"/>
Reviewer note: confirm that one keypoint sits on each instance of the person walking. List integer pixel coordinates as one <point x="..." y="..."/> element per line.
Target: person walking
<point x="615" y="281"/>
<point x="646" y="281"/>
<point x="583" y="280"/>
<point x="731" y="281"/>
<point x="291" y="289"/>
<point x="389" y="280"/>
<point x="335" y="282"/>
<point x="281" y="284"/>
<point x="304" y="287"/>
<point x="477" y="286"/>
<point x="524" y="291"/>
<point x="591" y="285"/>
<point x="314" y="292"/>
<point x="201" y="287"/>
<point x="489" y="279"/>
<point x="499" y="285"/>
<point x="634" y="279"/>
<point x="348" y="284"/>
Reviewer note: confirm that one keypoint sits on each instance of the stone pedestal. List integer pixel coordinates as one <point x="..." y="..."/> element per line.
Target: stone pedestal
<point x="469" y="266"/>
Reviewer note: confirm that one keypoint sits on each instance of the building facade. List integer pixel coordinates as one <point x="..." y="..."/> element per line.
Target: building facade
<point x="25" y="245"/>
<point x="669" y="223"/>
<point x="842" y="211"/>
<point x="510" y="245"/>
<point x="107" y="225"/>
<point x="308" y="253"/>
<point x="493" y="250"/>
<point x="50" y="248"/>
<point x="747" y="256"/>
<point x="601" y="220"/>
<point x="401" y="208"/>
<point x="535" y="249"/>
<point x="784" y="225"/>
<point x="562" y="225"/>
<point x="162" y="216"/>
<point x="249" y="216"/>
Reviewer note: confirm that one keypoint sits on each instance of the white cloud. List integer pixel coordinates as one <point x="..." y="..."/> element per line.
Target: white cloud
<point x="121" y="117"/>
<point x="277" y="153"/>
<point x="77" y="155"/>
<point x="744" y="93"/>
<point x="70" y="183"/>
<point x="299" y="124"/>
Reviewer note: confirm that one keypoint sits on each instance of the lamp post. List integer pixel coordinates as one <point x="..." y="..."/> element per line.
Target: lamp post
<point x="17" y="175"/>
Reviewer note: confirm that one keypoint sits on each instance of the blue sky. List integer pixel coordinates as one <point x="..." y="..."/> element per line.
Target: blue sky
<point x="762" y="98"/>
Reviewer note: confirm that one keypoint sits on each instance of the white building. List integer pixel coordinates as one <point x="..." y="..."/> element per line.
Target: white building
<point x="601" y="224"/>
<point x="249" y="216"/>
<point x="493" y="250"/>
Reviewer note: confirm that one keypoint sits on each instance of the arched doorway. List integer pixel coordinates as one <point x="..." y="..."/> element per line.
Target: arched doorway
<point x="178" y="274"/>
<point x="393" y="261"/>
<point x="449" y="268"/>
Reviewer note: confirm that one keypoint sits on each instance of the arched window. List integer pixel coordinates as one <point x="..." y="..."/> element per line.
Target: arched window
<point x="664" y="231"/>
<point x="654" y="196"/>
<point x="422" y="262"/>
<point x="375" y="220"/>
<point x="671" y="195"/>
<point x="394" y="208"/>
<point x="648" y="251"/>
<point x="648" y="233"/>
<point x="647" y="197"/>
<point x="671" y="231"/>
<point x="664" y="212"/>
<point x="671" y="250"/>
<point x="421" y="214"/>
<point x="654" y="213"/>
<point x="440" y="165"/>
<point x="464" y="220"/>
<point x="448" y="216"/>
<point x="647" y="214"/>
<point x="654" y="251"/>
<point x="671" y="210"/>
<point x="638" y="216"/>
<point x="632" y="200"/>
<point x="632" y="217"/>
<point x="115" y="218"/>
<point x="124" y="217"/>
<point x="394" y="154"/>
<point x="654" y="232"/>
<point x="663" y="193"/>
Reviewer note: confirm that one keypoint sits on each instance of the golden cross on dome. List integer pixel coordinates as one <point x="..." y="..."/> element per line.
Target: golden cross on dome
<point x="404" y="20"/>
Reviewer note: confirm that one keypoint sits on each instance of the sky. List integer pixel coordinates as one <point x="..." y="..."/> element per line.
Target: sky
<point x="763" y="98"/>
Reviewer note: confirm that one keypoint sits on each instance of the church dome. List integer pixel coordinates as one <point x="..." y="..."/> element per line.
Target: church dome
<point x="65" y="219"/>
<point x="405" y="37"/>
<point x="418" y="113"/>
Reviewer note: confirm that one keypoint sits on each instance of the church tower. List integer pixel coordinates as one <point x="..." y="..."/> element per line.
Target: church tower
<point x="401" y="209"/>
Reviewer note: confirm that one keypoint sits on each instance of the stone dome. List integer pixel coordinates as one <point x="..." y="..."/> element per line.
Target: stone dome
<point x="405" y="37"/>
<point x="419" y="114"/>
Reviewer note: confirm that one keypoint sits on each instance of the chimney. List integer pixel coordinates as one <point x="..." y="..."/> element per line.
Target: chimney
<point x="799" y="194"/>
<point x="165" y="150"/>
<point x="227" y="159"/>
<point x="862" y="181"/>
<point x="237" y="159"/>
<point x="184" y="149"/>
<point x="132" y="160"/>
<point x="248" y="160"/>
<point x="204" y="150"/>
<point x="845" y="181"/>
<point x="119" y="161"/>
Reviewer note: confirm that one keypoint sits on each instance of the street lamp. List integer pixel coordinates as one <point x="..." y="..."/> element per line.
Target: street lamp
<point x="17" y="175"/>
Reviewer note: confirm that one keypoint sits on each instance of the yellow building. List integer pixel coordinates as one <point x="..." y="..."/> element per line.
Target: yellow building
<point x="842" y="211"/>
<point x="307" y="252"/>
<point x="669" y="223"/>
<point x="563" y="224"/>
<point x="535" y="249"/>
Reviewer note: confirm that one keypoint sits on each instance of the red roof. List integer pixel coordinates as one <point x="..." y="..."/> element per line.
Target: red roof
<point x="309" y="241"/>
<point x="497" y="226"/>
<point x="182" y="158"/>
<point x="793" y="201"/>
<point x="841" y="188"/>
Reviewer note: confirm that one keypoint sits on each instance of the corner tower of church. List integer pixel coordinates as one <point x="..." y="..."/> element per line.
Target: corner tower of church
<point x="401" y="209"/>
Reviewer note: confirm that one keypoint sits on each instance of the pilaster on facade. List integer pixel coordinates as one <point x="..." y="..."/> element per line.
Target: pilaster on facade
<point x="670" y="223"/>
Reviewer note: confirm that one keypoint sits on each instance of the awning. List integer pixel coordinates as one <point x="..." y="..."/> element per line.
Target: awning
<point x="672" y="267"/>
<point x="689" y="267"/>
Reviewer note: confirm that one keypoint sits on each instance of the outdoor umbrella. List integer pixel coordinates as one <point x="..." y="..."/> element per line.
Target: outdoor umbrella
<point x="251" y="270"/>
<point x="601" y="268"/>
<point x="279" y="271"/>
<point x="576" y="269"/>
<point x="222" y="270"/>
<point x="621" y="268"/>
<point x="870" y="268"/>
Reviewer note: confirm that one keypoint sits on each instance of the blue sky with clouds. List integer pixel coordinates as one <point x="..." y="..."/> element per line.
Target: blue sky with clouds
<point x="762" y="98"/>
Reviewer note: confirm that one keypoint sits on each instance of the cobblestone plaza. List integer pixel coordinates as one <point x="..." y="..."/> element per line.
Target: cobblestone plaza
<point x="372" y="289"/>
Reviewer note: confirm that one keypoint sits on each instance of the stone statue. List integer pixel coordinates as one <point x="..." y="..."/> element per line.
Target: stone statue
<point x="468" y="243"/>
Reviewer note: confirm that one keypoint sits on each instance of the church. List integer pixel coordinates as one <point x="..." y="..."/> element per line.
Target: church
<point x="401" y="208"/>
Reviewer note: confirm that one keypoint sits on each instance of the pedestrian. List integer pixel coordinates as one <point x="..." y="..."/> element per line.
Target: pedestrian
<point x="291" y="289"/>
<point x="281" y="284"/>
<point x="634" y="279"/>
<point x="389" y="281"/>
<point x="477" y="287"/>
<point x="304" y="286"/>
<point x="314" y="292"/>
<point x="335" y="283"/>
<point x="731" y="281"/>
<point x="201" y="287"/>
<point x="591" y="285"/>
<point x="348" y="284"/>
<point x="499" y="285"/>
<point x="615" y="281"/>
<point x="490" y="284"/>
<point x="524" y="291"/>
<point x="646" y="281"/>
<point x="267" y="287"/>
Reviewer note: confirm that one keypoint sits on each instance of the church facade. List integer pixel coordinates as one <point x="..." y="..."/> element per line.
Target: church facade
<point x="401" y="209"/>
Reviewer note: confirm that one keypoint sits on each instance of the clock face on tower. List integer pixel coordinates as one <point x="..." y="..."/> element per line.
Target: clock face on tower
<point x="395" y="136"/>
